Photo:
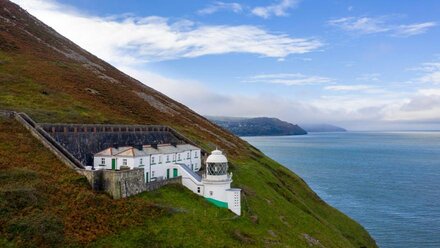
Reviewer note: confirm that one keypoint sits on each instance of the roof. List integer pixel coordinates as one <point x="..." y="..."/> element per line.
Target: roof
<point x="108" y="152"/>
<point x="216" y="157"/>
<point x="129" y="151"/>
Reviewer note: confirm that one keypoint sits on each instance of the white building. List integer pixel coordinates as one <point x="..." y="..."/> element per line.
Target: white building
<point x="214" y="184"/>
<point x="156" y="160"/>
<point x="167" y="161"/>
<point x="217" y="183"/>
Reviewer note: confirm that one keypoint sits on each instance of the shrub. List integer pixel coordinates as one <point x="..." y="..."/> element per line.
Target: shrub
<point x="37" y="228"/>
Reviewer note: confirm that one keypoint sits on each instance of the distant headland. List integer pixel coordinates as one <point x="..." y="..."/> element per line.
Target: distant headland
<point x="266" y="126"/>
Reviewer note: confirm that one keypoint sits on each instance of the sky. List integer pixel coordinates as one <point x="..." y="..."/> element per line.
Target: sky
<point x="363" y="65"/>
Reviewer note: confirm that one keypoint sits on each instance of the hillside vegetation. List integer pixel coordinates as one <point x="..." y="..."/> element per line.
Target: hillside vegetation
<point x="44" y="203"/>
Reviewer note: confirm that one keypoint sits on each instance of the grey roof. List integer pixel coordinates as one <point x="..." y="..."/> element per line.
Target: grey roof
<point x="129" y="151"/>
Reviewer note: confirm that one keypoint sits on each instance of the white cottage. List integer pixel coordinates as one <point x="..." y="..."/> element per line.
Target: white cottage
<point x="167" y="161"/>
<point x="156" y="160"/>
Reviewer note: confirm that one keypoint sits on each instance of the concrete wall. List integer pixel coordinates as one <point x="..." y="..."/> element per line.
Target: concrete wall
<point x="234" y="200"/>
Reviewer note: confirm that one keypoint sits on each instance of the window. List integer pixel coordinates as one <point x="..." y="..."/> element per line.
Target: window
<point x="174" y="157"/>
<point x="198" y="190"/>
<point x="211" y="193"/>
<point x="152" y="160"/>
<point x="103" y="161"/>
<point x="188" y="156"/>
<point x="168" y="158"/>
<point x="140" y="162"/>
<point x="178" y="157"/>
<point x="160" y="159"/>
<point x="124" y="161"/>
<point x="196" y="154"/>
<point x="152" y="174"/>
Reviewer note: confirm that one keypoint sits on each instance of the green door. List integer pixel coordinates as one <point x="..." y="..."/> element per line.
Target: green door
<point x="168" y="173"/>
<point x="113" y="164"/>
<point x="175" y="172"/>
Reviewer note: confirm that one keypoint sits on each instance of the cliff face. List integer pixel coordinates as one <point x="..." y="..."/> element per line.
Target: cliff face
<point x="43" y="202"/>
<point x="261" y="126"/>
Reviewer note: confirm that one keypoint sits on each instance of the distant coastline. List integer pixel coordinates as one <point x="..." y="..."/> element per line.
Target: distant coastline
<point x="265" y="126"/>
<point x="322" y="128"/>
<point x="261" y="126"/>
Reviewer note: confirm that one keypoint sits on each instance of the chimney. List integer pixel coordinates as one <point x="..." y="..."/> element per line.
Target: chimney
<point x="115" y="145"/>
<point x="154" y="145"/>
<point x="138" y="146"/>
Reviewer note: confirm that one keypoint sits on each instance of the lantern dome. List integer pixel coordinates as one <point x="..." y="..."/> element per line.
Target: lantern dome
<point x="216" y="157"/>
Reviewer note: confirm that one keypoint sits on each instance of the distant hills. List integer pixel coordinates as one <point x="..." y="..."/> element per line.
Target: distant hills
<point x="322" y="128"/>
<point x="261" y="126"/>
<point x="265" y="126"/>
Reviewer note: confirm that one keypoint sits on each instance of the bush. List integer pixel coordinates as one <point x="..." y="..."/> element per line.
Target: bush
<point x="38" y="229"/>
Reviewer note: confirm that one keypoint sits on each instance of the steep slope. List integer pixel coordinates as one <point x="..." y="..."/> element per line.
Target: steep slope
<point x="260" y="126"/>
<point x="44" y="203"/>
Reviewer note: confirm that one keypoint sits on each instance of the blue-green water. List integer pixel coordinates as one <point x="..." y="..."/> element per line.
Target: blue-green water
<point x="389" y="181"/>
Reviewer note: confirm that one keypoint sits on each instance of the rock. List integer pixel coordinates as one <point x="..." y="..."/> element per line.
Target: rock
<point x="243" y="237"/>
<point x="254" y="219"/>
<point x="311" y="240"/>
<point x="272" y="233"/>
<point x="92" y="91"/>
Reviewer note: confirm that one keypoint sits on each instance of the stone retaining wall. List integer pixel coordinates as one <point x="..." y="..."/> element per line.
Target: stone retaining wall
<point x="125" y="183"/>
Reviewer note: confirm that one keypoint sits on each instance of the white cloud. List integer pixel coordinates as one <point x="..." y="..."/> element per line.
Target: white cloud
<point x="278" y="9"/>
<point x="423" y="106"/>
<point x="429" y="92"/>
<point x="431" y="73"/>
<point x="433" y="77"/>
<point x="219" y="6"/>
<point x="289" y="79"/>
<point x="349" y="87"/>
<point x="365" y="25"/>
<point x="372" y="25"/>
<point x="369" y="77"/>
<point x="414" y="29"/>
<point x="124" y="40"/>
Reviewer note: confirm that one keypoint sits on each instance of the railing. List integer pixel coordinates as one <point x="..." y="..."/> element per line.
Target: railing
<point x="190" y="172"/>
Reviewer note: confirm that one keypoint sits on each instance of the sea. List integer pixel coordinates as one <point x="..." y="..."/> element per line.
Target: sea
<point x="387" y="181"/>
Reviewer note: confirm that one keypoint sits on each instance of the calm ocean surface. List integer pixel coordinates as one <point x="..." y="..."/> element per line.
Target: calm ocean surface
<point x="387" y="181"/>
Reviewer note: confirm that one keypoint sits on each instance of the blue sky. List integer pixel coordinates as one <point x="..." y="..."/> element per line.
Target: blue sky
<point x="360" y="64"/>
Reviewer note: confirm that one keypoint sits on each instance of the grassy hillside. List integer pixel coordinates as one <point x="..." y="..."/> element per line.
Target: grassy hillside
<point x="44" y="203"/>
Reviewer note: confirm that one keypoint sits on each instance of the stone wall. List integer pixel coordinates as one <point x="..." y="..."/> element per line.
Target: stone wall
<point x="47" y="141"/>
<point x="125" y="183"/>
<point x="157" y="184"/>
<point x="84" y="140"/>
<point x="6" y="113"/>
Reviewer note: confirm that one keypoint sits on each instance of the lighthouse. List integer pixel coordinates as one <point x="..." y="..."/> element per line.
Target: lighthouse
<point x="217" y="183"/>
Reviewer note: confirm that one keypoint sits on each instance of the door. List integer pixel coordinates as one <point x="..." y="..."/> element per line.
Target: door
<point x="168" y="173"/>
<point x="113" y="164"/>
<point x="175" y="174"/>
<point x="146" y="177"/>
